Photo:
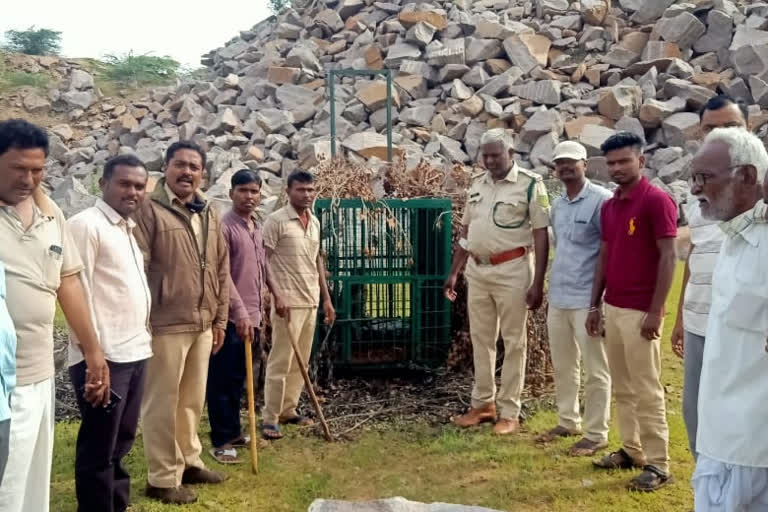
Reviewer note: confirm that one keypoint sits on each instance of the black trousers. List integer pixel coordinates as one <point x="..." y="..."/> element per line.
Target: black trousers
<point x="226" y="378"/>
<point x="101" y="482"/>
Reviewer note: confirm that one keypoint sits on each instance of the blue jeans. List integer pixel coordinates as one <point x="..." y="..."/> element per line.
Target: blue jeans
<point x="694" y="352"/>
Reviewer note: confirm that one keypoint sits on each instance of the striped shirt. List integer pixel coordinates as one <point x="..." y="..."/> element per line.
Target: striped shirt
<point x="293" y="263"/>
<point x="706" y="237"/>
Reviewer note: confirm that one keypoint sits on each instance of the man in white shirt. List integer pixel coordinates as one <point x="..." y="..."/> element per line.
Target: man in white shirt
<point x="119" y="299"/>
<point x="732" y="465"/>
<point x="689" y="333"/>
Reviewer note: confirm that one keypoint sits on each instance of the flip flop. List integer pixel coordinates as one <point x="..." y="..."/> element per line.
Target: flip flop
<point x="225" y="455"/>
<point x="587" y="448"/>
<point x="241" y="442"/>
<point x="271" y="432"/>
<point x="299" y="420"/>
<point x="555" y="433"/>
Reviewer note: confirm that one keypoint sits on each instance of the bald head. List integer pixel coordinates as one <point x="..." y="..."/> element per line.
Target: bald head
<point x="728" y="172"/>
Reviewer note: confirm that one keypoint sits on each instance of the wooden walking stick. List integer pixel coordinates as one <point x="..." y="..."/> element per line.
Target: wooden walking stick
<point x="310" y="389"/>
<point x="253" y="443"/>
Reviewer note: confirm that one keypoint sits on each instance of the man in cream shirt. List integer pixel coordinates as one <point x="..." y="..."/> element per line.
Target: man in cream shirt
<point x="119" y="300"/>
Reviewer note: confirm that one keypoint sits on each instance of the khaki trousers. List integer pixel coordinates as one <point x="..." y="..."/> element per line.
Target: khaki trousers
<point x="635" y="364"/>
<point x="283" y="383"/>
<point x="173" y="403"/>
<point x="570" y="344"/>
<point x="497" y="304"/>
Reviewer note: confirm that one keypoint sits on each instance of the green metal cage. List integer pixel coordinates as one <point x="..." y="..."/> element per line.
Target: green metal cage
<point x="387" y="262"/>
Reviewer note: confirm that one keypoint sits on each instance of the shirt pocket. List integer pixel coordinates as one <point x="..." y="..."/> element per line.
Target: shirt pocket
<point x="52" y="261"/>
<point x="580" y="231"/>
<point x="748" y="311"/>
<point x="509" y="214"/>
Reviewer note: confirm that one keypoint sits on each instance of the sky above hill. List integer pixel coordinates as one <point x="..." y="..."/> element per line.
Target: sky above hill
<point x="180" y="29"/>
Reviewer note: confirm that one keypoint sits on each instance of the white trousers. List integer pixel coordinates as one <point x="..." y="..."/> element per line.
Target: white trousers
<point x="720" y="487"/>
<point x="27" y="481"/>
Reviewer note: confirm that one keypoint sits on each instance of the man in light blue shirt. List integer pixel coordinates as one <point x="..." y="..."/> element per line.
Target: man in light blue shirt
<point x="7" y="372"/>
<point x="576" y="226"/>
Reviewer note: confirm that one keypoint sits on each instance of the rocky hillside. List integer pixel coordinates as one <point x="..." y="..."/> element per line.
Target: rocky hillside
<point x="545" y="69"/>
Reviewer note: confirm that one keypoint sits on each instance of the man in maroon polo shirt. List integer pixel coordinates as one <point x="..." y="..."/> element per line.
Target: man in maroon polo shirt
<point x="635" y="270"/>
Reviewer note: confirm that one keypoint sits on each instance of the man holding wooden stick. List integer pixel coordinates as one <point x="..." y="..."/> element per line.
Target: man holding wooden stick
<point x="292" y="244"/>
<point x="227" y="368"/>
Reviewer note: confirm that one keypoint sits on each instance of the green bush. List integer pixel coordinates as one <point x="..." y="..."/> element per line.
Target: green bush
<point x="33" y="41"/>
<point x="139" y="70"/>
<point x="13" y="79"/>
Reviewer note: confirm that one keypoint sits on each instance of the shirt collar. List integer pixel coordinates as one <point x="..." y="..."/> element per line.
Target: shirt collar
<point x="293" y="214"/>
<point x="741" y="225"/>
<point x="582" y="193"/>
<point x="112" y="215"/>
<point x="43" y="203"/>
<point x="235" y="217"/>
<point x="641" y="185"/>
<point x="510" y="177"/>
<point x="174" y="198"/>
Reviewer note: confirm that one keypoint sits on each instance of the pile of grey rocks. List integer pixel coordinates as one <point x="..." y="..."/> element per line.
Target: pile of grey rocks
<point x="547" y="70"/>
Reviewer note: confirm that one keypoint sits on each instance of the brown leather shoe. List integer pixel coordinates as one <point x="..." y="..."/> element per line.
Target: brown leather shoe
<point x="202" y="476"/>
<point x="474" y="417"/>
<point x="506" y="426"/>
<point x="172" y="495"/>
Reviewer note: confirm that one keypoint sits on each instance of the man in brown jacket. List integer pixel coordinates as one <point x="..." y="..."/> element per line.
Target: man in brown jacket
<point x="187" y="267"/>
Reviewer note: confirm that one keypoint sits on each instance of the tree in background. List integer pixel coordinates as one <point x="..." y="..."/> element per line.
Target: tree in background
<point x="278" y="5"/>
<point x="139" y="70"/>
<point x="33" y="41"/>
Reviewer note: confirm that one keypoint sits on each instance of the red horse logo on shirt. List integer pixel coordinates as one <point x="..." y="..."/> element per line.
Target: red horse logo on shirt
<point x="631" y="230"/>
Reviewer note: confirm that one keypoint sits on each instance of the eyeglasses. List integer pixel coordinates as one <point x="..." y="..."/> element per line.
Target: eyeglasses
<point x="702" y="178"/>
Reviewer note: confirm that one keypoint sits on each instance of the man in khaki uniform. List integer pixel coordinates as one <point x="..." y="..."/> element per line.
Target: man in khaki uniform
<point x="506" y="216"/>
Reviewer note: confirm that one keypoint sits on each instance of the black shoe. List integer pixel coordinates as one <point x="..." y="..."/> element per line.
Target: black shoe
<point x="616" y="460"/>
<point x="651" y="479"/>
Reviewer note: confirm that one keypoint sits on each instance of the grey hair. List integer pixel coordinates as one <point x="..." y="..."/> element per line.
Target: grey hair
<point x="744" y="148"/>
<point x="496" y="135"/>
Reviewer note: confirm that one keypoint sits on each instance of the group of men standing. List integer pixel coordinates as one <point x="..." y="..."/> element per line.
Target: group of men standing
<point x="613" y="267"/>
<point x="161" y="295"/>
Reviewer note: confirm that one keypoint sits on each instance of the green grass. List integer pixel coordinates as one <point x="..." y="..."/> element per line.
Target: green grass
<point x="423" y="463"/>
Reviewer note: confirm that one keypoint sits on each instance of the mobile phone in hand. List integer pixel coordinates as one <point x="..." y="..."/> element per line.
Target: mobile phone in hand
<point x="114" y="399"/>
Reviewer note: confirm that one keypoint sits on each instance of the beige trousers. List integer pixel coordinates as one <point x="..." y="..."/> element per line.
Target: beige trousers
<point x="569" y="345"/>
<point x="283" y="383"/>
<point x="173" y="403"/>
<point x="635" y="364"/>
<point x="497" y="305"/>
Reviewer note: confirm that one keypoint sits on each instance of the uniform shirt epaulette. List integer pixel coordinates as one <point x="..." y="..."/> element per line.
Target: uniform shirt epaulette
<point x="478" y="175"/>
<point x="534" y="176"/>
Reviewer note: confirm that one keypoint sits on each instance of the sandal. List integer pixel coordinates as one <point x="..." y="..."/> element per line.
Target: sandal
<point x="240" y="442"/>
<point x="651" y="479"/>
<point x="225" y="455"/>
<point x="587" y="447"/>
<point x="299" y="420"/>
<point x="551" y="435"/>
<point x="271" y="432"/>
<point x="616" y="460"/>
